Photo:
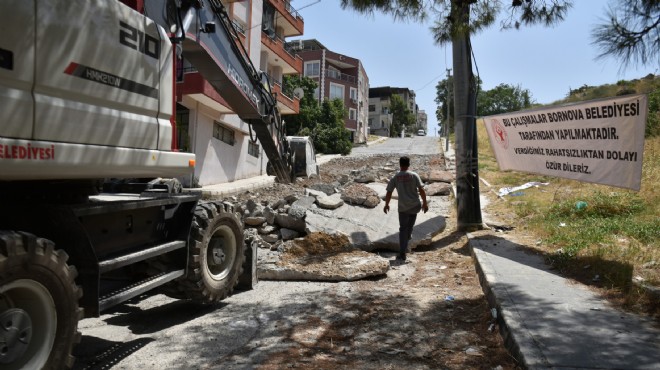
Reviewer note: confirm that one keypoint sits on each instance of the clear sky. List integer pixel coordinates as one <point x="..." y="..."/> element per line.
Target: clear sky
<point x="545" y="61"/>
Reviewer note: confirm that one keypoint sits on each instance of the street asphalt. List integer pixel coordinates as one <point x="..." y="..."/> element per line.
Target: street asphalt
<point x="547" y="321"/>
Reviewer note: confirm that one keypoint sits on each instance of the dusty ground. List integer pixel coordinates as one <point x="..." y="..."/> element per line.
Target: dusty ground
<point x="429" y="313"/>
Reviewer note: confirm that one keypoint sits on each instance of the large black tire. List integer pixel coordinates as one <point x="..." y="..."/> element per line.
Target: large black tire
<point x="216" y="253"/>
<point x="39" y="310"/>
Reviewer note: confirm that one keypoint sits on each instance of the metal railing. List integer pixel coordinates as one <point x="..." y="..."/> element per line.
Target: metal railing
<point x="340" y="76"/>
<point x="291" y="10"/>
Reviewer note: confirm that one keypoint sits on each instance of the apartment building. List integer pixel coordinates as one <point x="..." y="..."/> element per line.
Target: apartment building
<point x="380" y="114"/>
<point x="422" y="121"/>
<point x="206" y="123"/>
<point x="339" y="77"/>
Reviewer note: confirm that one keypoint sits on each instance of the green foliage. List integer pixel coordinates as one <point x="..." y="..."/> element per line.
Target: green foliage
<point x="502" y="99"/>
<point x="649" y="85"/>
<point x="445" y="111"/>
<point x="630" y="32"/>
<point x="330" y="136"/>
<point x="402" y="117"/>
<point x="449" y="15"/>
<point x="653" y="121"/>
<point x="606" y="218"/>
<point x="309" y="106"/>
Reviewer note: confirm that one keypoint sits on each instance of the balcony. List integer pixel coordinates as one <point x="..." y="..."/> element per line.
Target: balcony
<point x="290" y="20"/>
<point x="286" y="104"/>
<point x="278" y="56"/>
<point x="193" y="86"/>
<point x="341" y="76"/>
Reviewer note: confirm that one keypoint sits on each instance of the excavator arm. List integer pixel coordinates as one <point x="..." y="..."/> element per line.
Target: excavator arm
<point x="206" y="37"/>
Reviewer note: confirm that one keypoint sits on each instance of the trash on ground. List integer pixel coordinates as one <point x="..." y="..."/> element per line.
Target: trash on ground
<point x="580" y="205"/>
<point x="505" y="191"/>
<point x="449" y="298"/>
<point x="562" y="224"/>
<point x="472" y="351"/>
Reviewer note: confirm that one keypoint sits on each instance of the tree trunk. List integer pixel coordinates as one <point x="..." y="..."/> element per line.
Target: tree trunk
<point x="467" y="171"/>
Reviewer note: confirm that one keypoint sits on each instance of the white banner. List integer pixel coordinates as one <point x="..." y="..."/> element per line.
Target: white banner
<point x="599" y="141"/>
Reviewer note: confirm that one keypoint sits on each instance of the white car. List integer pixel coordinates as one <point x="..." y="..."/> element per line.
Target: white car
<point x="421" y="133"/>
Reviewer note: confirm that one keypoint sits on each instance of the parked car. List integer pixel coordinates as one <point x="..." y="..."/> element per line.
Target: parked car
<point x="421" y="133"/>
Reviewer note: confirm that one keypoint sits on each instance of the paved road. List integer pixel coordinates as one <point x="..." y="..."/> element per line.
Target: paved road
<point x="408" y="145"/>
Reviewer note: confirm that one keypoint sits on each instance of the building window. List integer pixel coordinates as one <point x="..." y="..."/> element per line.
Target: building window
<point x="353" y="94"/>
<point x="253" y="149"/>
<point x="351" y="114"/>
<point x="182" y="127"/>
<point x="222" y="133"/>
<point x="371" y="122"/>
<point x="372" y="108"/>
<point x="312" y="69"/>
<point x="317" y="92"/>
<point x="336" y="91"/>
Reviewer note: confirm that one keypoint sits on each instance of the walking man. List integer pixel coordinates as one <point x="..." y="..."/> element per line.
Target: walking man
<point x="409" y="187"/>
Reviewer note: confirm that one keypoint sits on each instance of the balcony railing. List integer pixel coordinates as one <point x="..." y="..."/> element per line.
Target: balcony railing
<point x="293" y="12"/>
<point x="340" y="76"/>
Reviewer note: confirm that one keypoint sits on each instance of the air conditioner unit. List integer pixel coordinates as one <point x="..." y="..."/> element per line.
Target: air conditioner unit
<point x="354" y="100"/>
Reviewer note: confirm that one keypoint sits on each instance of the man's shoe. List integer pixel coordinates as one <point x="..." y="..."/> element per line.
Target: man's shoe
<point x="402" y="256"/>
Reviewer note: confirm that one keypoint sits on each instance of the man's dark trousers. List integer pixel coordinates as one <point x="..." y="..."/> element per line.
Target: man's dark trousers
<point x="406" y="223"/>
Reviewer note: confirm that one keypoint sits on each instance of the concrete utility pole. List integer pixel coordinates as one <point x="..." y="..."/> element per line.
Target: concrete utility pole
<point x="448" y="117"/>
<point x="465" y="110"/>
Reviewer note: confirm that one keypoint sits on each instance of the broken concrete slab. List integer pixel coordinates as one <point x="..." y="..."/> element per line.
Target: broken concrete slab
<point x="438" y="188"/>
<point x="438" y="176"/>
<point x="320" y="257"/>
<point x="333" y="201"/>
<point x="370" y="228"/>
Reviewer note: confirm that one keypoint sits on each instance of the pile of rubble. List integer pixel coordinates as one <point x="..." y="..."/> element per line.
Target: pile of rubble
<point x="335" y="210"/>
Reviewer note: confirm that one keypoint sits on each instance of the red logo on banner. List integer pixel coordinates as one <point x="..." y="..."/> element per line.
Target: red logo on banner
<point x="500" y="134"/>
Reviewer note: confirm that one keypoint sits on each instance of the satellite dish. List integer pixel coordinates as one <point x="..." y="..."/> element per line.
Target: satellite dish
<point x="298" y="92"/>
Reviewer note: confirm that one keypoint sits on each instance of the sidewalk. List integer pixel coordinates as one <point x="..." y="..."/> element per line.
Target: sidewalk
<point x="252" y="183"/>
<point x="549" y="322"/>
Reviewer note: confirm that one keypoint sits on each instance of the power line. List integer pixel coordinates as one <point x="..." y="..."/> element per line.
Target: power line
<point x="428" y="83"/>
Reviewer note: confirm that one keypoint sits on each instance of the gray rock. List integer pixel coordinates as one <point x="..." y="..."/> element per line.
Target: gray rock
<point x="343" y="179"/>
<point x="365" y="178"/>
<point x="291" y="221"/>
<point x="291" y="198"/>
<point x="254" y="221"/>
<point x="333" y="201"/>
<point x="328" y="189"/>
<point x="304" y="202"/>
<point x="371" y="201"/>
<point x="279" y="204"/>
<point x="268" y="229"/>
<point x="288" y="234"/>
<point x="314" y="193"/>
<point x="297" y="211"/>
<point x="269" y="214"/>
<point x="438" y="188"/>
<point x="437" y="176"/>
<point x="270" y="238"/>
<point x="354" y="199"/>
<point x="252" y="206"/>
<point x="379" y="187"/>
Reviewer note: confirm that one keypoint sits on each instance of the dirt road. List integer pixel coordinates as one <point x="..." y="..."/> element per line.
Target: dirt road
<point x="429" y="313"/>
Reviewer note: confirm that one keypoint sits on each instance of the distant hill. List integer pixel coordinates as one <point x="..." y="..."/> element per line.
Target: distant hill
<point x="649" y="84"/>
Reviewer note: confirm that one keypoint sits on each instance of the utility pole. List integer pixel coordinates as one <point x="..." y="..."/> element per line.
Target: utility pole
<point x="465" y="109"/>
<point x="448" y="116"/>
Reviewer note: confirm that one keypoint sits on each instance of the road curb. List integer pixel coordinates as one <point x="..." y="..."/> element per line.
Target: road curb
<point x="511" y="342"/>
